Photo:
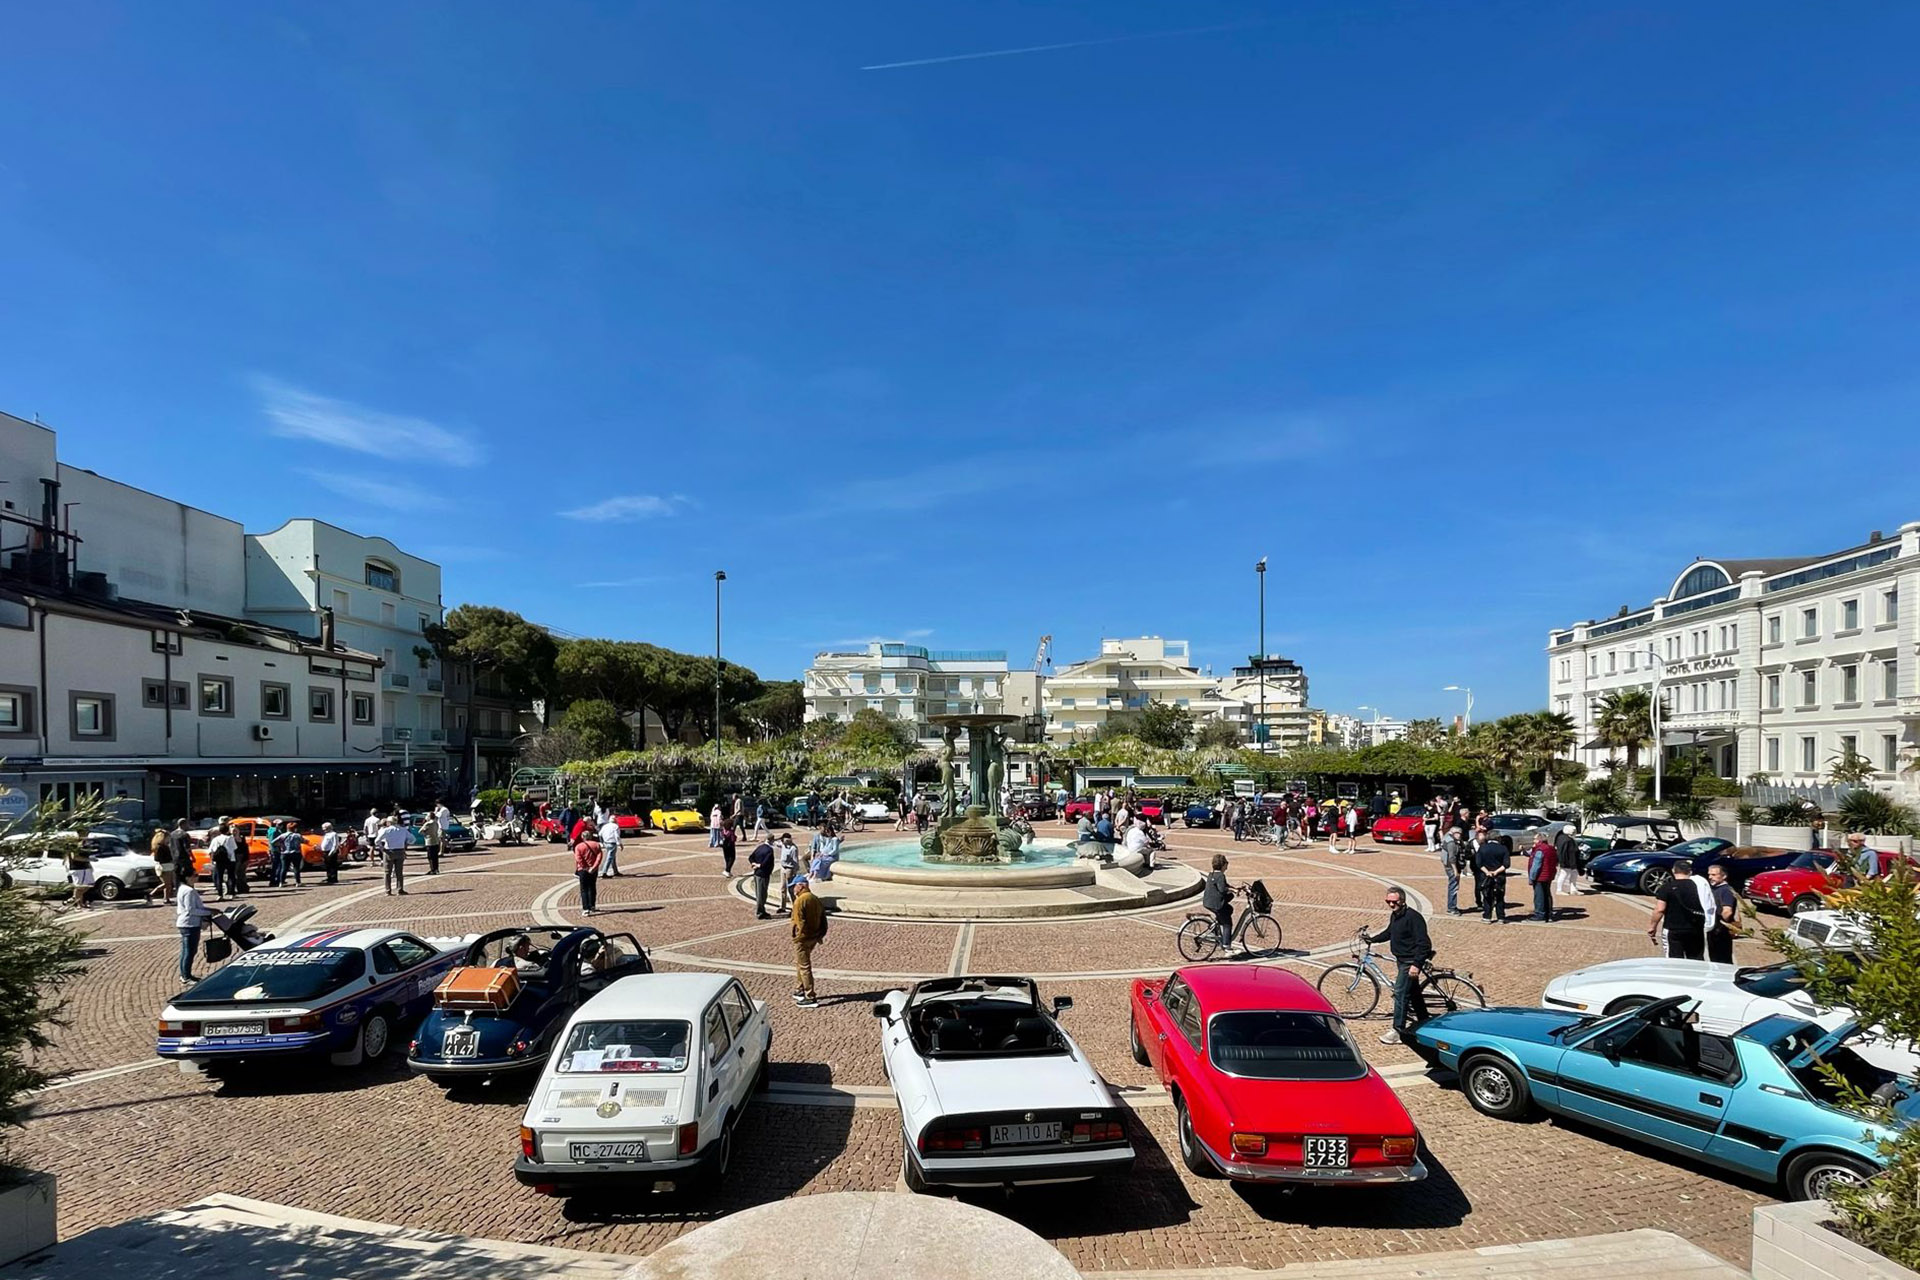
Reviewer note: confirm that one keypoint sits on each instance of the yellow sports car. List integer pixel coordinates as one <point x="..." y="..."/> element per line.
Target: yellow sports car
<point x="679" y="818"/>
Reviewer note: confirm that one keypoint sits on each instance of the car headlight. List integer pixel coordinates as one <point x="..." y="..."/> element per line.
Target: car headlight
<point x="1631" y="864"/>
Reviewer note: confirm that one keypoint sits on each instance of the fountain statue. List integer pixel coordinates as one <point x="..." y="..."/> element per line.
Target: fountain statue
<point x="982" y="834"/>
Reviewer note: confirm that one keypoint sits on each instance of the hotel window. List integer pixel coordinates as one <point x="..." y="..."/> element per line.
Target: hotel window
<point x="166" y="642"/>
<point x="1890" y="752"/>
<point x="1890" y="605"/>
<point x="1850" y="684"/>
<point x="1566" y="668"/>
<point x="1633" y="659"/>
<point x="1809" y="688"/>
<point x="382" y="576"/>
<point x="1889" y="680"/>
<point x="1729" y="694"/>
<point x="320" y="706"/>
<point x="153" y="693"/>
<point x="363" y="708"/>
<point x="276" y="701"/>
<point x="1613" y="661"/>
<point x="92" y="715"/>
<point x="1849" y="746"/>
<point x="16" y="711"/>
<point x="1593" y="664"/>
<point x="1773" y="629"/>
<point x="1773" y="755"/>
<point x="1808" y="759"/>
<point x="1773" y="692"/>
<point x="1673" y="648"/>
<point x="216" y="695"/>
<point x="1809" y="623"/>
<point x="1849" y="615"/>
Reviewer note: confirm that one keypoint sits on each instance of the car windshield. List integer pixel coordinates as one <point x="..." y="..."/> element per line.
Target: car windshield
<point x="1694" y="848"/>
<point x="1813" y="860"/>
<point x="1773" y="981"/>
<point x="1274" y="1044"/>
<point x="291" y="975"/>
<point x="630" y="1044"/>
<point x="1819" y="1085"/>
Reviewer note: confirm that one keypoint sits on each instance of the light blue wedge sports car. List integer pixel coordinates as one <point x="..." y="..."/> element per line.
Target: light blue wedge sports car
<point x="1753" y="1102"/>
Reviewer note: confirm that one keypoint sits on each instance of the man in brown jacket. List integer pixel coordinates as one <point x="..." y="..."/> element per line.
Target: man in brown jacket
<point x="809" y="927"/>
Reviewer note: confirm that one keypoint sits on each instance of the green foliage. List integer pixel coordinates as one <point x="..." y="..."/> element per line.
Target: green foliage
<point x="1165" y="725"/>
<point x="1427" y="733"/>
<point x="1624" y="718"/>
<point x="776" y="712"/>
<point x="38" y="959"/>
<point x="1746" y="814"/>
<point x="1570" y="790"/>
<point x="1875" y="811"/>
<point x="1791" y="813"/>
<point x="1603" y="795"/>
<point x="490" y="801"/>
<point x="872" y="735"/>
<point x="677" y="687"/>
<point x="595" y="727"/>
<point x="1217" y="733"/>
<point x="1688" y="809"/>
<point x="1850" y="767"/>
<point x="501" y="643"/>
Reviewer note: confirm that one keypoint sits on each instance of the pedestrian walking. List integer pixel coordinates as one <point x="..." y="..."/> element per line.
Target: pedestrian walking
<point x="728" y="845"/>
<point x="370" y="829"/>
<point x="392" y="843"/>
<point x="1430" y="819"/>
<point x="1494" y="860"/>
<point x="290" y="847"/>
<point x="162" y="854"/>
<point x="180" y="848"/>
<point x="714" y="817"/>
<point x="1452" y="858"/>
<point x="432" y="837"/>
<point x="1679" y="909"/>
<point x="760" y="822"/>
<point x="789" y="868"/>
<point x="761" y="860"/>
<point x="1567" y="851"/>
<point x="610" y="847"/>
<point x="79" y="872"/>
<point x="330" y="841"/>
<point x="220" y="856"/>
<point x="1406" y="938"/>
<point x="1543" y="864"/>
<point x="809" y="930"/>
<point x="1726" y="916"/>
<point x="190" y="913"/>
<point x="586" y="870"/>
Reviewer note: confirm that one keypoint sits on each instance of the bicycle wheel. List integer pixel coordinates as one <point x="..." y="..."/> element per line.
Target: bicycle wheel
<point x="1260" y="935"/>
<point x="1352" y="991"/>
<point x="1445" y="992"/>
<point x="1199" y="937"/>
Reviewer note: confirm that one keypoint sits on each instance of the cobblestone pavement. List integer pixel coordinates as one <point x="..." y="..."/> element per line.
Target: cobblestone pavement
<point x="380" y="1144"/>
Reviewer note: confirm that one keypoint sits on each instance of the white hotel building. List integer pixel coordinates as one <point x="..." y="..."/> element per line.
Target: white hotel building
<point x="908" y="682"/>
<point x="1126" y="676"/>
<point x="1767" y="666"/>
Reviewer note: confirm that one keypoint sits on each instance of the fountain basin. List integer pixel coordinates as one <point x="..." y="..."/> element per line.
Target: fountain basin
<point x="1047" y="865"/>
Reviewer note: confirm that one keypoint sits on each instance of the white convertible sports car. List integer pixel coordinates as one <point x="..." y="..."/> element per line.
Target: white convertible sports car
<point x="1728" y="997"/>
<point x="992" y="1091"/>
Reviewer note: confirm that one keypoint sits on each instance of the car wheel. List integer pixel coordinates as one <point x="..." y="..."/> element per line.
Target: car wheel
<point x="376" y="1037"/>
<point x="1654" y="879"/>
<point x="1494" y="1088"/>
<point x="1190" y="1153"/>
<point x="107" y="889"/>
<point x="1133" y="1040"/>
<point x="1812" y="1175"/>
<point x="1625" y="1003"/>
<point x="1804" y="903"/>
<point x="909" y="1171"/>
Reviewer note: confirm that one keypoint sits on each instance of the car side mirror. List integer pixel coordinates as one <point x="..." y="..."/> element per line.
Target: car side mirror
<point x="1148" y="993"/>
<point x="881" y="1009"/>
<point x="1062" y="1003"/>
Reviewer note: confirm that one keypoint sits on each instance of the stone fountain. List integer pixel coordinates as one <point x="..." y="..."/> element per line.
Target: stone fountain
<point x="982" y="834"/>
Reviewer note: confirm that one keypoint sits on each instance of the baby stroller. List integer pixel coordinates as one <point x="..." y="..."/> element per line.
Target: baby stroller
<point x="237" y="930"/>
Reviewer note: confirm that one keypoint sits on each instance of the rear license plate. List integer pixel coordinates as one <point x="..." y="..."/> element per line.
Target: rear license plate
<point x="1009" y="1135"/>
<point x="460" y="1042"/>
<point x="236" y="1028"/>
<point x="1327" y="1153"/>
<point x="606" y="1151"/>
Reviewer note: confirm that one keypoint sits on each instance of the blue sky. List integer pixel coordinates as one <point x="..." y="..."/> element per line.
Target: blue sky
<point x="1476" y="319"/>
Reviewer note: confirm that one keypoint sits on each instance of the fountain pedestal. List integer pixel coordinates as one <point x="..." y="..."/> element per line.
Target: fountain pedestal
<point x="982" y="835"/>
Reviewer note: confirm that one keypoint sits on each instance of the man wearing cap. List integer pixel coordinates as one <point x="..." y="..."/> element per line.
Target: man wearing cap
<point x="1866" y="862"/>
<point x="809" y="927"/>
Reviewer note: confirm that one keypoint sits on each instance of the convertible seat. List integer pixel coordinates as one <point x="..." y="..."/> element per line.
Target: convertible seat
<point x="1027" y="1033"/>
<point x="952" y="1035"/>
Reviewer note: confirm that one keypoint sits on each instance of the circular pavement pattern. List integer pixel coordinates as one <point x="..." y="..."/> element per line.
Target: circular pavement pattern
<point x="129" y="1136"/>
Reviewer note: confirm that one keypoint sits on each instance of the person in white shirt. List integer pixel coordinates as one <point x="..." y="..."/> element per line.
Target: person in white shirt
<point x="330" y="841"/>
<point x="1137" y="841"/>
<point x="392" y="841"/>
<point x="443" y="816"/>
<point x="190" y="914"/>
<point x="371" y="827"/>
<point x="610" y="844"/>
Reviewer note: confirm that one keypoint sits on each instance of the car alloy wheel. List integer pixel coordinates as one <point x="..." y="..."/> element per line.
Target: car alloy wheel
<point x="1813" y="1175"/>
<point x="1494" y="1088"/>
<point x="1806" y="902"/>
<point x="376" y="1034"/>
<point x="1654" y="879"/>
<point x="107" y="889"/>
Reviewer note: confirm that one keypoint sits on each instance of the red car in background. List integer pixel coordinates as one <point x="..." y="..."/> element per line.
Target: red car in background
<point x="1153" y="809"/>
<point x="1267" y="1084"/>
<point x="1803" y="886"/>
<point x="1074" y="808"/>
<point x="1409" y="826"/>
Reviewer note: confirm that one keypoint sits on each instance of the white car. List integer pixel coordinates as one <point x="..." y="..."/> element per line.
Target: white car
<point x="1826" y="929"/>
<point x="992" y="1091"/>
<point x="1727" y="998"/>
<point x="117" y="869"/>
<point x="873" y="810"/>
<point x="644" y="1086"/>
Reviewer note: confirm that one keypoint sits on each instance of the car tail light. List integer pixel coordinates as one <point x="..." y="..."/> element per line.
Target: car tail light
<point x="1399" y="1150"/>
<point x="689" y="1138"/>
<point x="517" y="1048"/>
<point x="1249" y="1144"/>
<point x="304" y="1022"/>
<point x="179" y="1028"/>
<point x="528" y="1146"/>
<point x="951" y="1140"/>
<point x="1099" y="1131"/>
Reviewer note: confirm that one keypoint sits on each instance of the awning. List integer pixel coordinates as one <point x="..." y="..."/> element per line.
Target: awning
<point x="1695" y="737"/>
<point x="1598" y="744"/>
<point x="264" y="770"/>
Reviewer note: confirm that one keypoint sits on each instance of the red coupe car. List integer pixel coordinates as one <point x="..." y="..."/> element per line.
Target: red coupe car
<point x="1267" y="1084"/>
<point x="1409" y="826"/>
<point x="1072" y="809"/>
<point x="1801" y="886"/>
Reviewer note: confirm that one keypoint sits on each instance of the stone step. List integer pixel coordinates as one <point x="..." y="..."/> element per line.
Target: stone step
<point x="1623" y="1255"/>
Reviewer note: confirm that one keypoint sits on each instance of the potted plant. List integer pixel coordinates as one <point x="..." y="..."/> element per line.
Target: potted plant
<point x="1786" y="825"/>
<point x="39" y="956"/>
<point x="1869" y="1229"/>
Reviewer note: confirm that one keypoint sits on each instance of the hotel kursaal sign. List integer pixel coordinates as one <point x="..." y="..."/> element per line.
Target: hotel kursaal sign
<point x="1700" y="665"/>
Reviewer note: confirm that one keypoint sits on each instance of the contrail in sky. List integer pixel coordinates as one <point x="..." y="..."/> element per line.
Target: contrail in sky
<point x="1071" y="44"/>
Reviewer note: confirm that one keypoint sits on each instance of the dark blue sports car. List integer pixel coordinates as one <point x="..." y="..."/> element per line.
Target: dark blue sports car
<point x="1202" y="815"/>
<point x="515" y="990"/>
<point x="1648" y="870"/>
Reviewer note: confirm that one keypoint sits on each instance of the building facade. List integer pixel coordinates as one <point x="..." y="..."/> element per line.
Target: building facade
<point x="1128" y="675"/>
<point x="1282" y="684"/>
<point x="909" y="683"/>
<point x="1776" y="666"/>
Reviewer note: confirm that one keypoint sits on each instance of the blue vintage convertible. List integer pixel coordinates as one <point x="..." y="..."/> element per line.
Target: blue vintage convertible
<point x="535" y="978"/>
<point x="1753" y="1102"/>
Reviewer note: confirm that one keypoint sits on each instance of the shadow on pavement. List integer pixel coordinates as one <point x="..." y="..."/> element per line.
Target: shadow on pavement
<point x="1436" y="1201"/>
<point x="1151" y="1196"/>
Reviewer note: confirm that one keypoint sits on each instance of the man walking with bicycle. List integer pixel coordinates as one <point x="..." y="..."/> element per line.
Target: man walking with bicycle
<point x="1406" y="938"/>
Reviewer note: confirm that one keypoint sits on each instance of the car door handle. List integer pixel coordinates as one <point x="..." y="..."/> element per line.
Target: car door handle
<point x="713" y="1091"/>
<point x="1163" y="1035"/>
<point x="1712" y="1099"/>
<point x="741" y="1052"/>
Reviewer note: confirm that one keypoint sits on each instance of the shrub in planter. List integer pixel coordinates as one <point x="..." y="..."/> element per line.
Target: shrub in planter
<point x="1688" y="809"/>
<point x="1878" y="812"/>
<point x="1791" y="813"/>
<point x="1746" y="814"/>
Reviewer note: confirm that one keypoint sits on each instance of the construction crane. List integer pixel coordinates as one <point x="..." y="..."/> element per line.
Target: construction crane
<point x="1040" y="653"/>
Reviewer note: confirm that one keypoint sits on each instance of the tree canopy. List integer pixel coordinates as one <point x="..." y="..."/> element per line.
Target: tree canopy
<point x="502" y="643"/>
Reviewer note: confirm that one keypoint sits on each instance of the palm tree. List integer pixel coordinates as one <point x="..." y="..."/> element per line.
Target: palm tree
<point x="1543" y="737"/>
<point x="1624" y="718"/>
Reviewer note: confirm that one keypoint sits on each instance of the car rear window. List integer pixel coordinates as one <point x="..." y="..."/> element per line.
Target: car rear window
<point x="642" y="1044"/>
<point x="1271" y="1044"/>
<point x="273" y="977"/>
<point x="1773" y="981"/>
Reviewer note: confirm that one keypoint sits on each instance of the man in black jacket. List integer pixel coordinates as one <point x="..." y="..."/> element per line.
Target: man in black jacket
<point x="1494" y="860"/>
<point x="1406" y="938"/>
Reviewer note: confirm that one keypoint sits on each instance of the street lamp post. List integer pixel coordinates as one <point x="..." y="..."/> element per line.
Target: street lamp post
<point x="1467" y="723"/>
<point x="719" y="576"/>
<point x="1653" y="713"/>
<point x="1260" y="727"/>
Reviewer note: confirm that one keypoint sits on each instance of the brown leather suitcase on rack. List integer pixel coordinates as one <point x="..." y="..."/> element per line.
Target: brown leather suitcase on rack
<point x="477" y="987"/>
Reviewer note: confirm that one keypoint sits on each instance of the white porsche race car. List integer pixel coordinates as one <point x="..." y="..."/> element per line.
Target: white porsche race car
<point x="992" y="1091"/>
<point x="1728" y="997"/>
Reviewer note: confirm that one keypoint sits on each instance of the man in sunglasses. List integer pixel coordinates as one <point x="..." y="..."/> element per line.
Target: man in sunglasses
<point x="1406" y="937"/>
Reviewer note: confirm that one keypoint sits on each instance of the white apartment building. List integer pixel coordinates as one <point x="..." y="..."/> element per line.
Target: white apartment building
<point x="1127" y="676"/>
<point x="1772" y="666"/>
<point x="1383" y="729"/>
<point x="1284" y="686"/>
<point x="909" y="683"/>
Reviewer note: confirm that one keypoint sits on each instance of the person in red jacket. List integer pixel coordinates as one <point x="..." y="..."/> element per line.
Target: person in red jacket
<point x="1542" y="865"/>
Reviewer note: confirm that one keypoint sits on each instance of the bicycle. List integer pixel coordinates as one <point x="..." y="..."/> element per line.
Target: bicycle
<point x="1353" y="988"/>
<point x="1256" y="929"/>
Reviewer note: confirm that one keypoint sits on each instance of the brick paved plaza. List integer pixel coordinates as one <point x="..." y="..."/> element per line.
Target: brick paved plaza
<point x="128" y="1136"/>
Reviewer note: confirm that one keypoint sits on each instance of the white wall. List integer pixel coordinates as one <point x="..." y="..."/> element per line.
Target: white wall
<point x="153" y="548"/>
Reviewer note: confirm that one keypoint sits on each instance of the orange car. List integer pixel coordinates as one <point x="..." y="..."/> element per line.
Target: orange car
<point x="253" y="833"/>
